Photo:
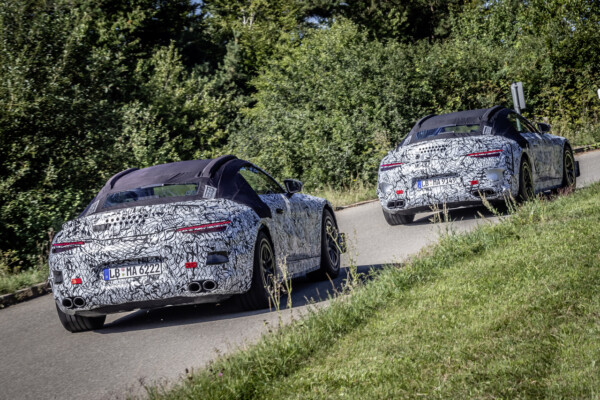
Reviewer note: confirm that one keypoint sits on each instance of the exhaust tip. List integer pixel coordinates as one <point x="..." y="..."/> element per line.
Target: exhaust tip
<point x="194" y="287"/>
<point x="78" y="302"/>
<point x="67" y="303"/>
<point x="209" y="285"/>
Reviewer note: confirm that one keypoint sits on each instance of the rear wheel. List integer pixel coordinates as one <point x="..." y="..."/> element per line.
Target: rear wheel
<point x="330" y="250"/>
<point x="526" y="190"/>
<point x="77" y="323"/>
<point x="263" y="275"/>
<point x="569" y="174"/>
<point x="398" y="219"/>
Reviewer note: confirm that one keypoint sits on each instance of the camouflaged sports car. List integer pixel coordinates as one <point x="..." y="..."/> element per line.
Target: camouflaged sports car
<point x="185" y="233"/>
<point x="456" y="159"/>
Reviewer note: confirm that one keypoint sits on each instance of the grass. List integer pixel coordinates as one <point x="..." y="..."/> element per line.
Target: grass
<point x="10" y="283"/>
<point x="509" y="310"/>
<point x="358" y="191"/>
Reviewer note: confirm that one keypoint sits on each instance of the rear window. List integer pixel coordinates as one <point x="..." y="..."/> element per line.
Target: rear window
<point x="151" y="192"/>
<point x="454" y="129"/>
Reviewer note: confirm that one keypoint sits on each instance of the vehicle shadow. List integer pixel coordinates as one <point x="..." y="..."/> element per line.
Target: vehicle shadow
<point x="303" y="292"/>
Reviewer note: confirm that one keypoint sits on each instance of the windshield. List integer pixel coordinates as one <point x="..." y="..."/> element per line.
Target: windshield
<point x="151" y="192"/>
<point x="456" y="129"/>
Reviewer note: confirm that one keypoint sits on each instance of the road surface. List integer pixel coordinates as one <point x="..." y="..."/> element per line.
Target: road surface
<point x="39" y="359"/>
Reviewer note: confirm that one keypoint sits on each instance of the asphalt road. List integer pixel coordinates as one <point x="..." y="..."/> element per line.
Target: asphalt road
<point x="39" y="359"/>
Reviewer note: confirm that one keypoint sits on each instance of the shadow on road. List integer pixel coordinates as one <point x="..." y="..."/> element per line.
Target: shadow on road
<point x="304" y="292"/>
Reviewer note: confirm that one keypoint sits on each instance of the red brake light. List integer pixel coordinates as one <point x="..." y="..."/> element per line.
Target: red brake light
<point x="490" y="153"/>
<point x="68" y="244"/>
<point x="60" y="247"/>
<point x="206" y="228"/>
<point x="76" y="281"/>
<point x="385" y="167"/>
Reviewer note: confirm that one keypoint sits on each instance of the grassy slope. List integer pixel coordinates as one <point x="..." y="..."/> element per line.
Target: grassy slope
<point x="509" y="310"/>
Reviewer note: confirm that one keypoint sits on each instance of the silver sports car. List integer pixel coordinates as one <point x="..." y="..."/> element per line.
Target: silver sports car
<point x="456" y="159"/>
<point x="185" y="233"/>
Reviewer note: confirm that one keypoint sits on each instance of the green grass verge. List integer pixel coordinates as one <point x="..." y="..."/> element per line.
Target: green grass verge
<point x="10" y="283"/>
<point x="509" y="310"/>
<point x="357" y="192"/>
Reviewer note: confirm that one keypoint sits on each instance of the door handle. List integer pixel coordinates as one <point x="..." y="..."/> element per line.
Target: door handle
<point x="279" y="210"/>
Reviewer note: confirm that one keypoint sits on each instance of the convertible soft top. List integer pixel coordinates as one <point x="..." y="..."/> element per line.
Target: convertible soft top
<point x="491" y="121"/>
<point x="216" y="178"/>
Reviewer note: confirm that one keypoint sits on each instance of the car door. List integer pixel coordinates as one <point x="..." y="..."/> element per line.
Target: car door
<point x="547" y="156"/>
<point x="536" y="148"/>
<point x="307" y="213"/>
<point x="554" y="146"/>
<point x="282" y="225"/>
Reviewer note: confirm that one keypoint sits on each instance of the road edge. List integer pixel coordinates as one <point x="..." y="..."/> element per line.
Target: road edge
<point x="43" y="288"/>
<point x="584" y="149"/>
<point x="21" y="295"/>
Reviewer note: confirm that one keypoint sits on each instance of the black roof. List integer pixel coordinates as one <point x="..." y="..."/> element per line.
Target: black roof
<point x="492" y="117"/>
<point x="220" y="173"/>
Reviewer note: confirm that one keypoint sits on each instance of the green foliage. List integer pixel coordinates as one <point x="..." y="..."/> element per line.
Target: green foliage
<point x="87" y="89"/>
<point x="404" y="21"/>
<point x="553" y="47"/>
<point x="328" y="110"/>
<point x="317" y="90"/>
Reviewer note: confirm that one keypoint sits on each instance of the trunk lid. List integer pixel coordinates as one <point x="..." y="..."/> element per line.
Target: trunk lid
<point x="146" y="220"/>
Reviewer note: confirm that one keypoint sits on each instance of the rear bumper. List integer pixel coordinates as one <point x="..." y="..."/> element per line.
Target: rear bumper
<point x="94" y="296"/>
<point x="424" y="200"/>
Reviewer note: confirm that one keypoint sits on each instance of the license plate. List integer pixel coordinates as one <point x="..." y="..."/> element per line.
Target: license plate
<point x="132" y="271"/>
<point x="427" y="183"/>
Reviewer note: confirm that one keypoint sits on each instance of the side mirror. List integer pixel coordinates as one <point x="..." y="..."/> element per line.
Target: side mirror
<point x="544" y="128"/>
<point x="292" y="186"/>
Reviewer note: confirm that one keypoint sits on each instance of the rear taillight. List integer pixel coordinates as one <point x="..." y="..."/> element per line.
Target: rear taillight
<point x="385" y="167"/>
<point x="206" y="228"/>
<point x="60" y="247"/>
<point x="489" y="153"/>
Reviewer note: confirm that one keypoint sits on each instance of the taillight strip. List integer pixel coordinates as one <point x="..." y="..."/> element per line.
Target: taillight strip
<point x="214" y="226"/>
<point x="390" y="166"/>
<point x="68" y="244"/>
<point x="490" y="153"/>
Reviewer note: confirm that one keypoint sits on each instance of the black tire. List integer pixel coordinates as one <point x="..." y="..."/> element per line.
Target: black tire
<point x="330" y="250"/>
<point x="526" y="188"/>
<point x="77" y="323"/>
<point x="569" y="173"/>
<point x="263" y="275"/>
<point x="398" y="219"/>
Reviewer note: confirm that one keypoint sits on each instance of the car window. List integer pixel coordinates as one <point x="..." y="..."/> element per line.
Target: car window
<point x="151" y="192"/>
<point x="456" y="129"/>
<point x="529" y="126"/>
<point x="520" y="123"/>
<point x="260" y="182"/>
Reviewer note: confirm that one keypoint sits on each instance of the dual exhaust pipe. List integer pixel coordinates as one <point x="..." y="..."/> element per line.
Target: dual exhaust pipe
<point x="202" y="286"/>
<point x="76" y="302"/>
